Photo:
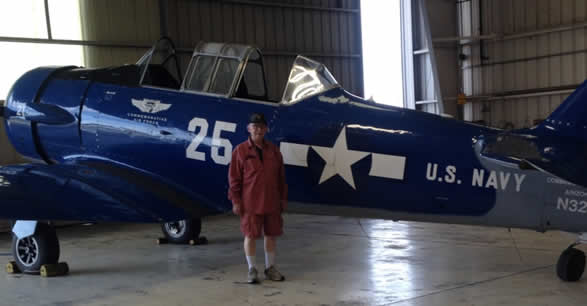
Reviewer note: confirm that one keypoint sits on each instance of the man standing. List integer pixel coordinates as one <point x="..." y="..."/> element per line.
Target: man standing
<point x="259" y="194"/>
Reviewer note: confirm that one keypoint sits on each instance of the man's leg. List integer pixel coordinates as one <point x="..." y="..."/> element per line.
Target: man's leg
<point x="250" y="247"/>
<point x="251" y="229"/>
<point x="270" y="244"/>
<point x="270" y="270"/>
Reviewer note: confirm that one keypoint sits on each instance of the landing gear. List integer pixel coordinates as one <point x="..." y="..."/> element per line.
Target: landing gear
<point x="32" y="251"/>
<point x="182" y="231"/>
<point x="571" y="264"/>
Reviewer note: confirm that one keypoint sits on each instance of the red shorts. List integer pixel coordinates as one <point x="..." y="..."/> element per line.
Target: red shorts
<point x="252" y="225"/>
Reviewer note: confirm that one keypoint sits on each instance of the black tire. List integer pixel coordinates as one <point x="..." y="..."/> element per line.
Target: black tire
<point x="571" y="265"/>
<point x="182" y="231"/>
<point x="39" y="249"/>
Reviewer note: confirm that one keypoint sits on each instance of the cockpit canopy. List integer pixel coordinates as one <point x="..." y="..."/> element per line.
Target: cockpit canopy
<point x="230" y="70"/>
<point x="159" y="66"/>
<point x="307" y="78"/>
<point x="227" y="69"/>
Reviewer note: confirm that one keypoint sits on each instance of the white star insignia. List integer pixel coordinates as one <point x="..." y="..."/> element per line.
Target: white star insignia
<point x="339" y="159"/>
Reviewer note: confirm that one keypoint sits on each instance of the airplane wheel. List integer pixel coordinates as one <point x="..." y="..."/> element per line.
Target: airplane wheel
<point x="182" y="231"/>
<point x="570" y="265"/>
<point x="31" y="252"/>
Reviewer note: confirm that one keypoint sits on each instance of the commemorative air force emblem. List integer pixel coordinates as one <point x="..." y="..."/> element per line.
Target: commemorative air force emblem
<point x="150" y="106"/>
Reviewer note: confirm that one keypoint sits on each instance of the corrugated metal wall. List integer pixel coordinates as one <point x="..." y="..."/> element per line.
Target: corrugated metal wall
<point x="530" y="56"/>
<point x="115" y="21"/>
<point x="328" y="31"/>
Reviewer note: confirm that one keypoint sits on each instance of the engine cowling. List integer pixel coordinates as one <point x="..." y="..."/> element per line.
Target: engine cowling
<point x="42" y="113"/>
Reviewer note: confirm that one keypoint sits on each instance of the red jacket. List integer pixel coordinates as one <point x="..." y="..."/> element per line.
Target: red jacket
<point x="258" y="186"/>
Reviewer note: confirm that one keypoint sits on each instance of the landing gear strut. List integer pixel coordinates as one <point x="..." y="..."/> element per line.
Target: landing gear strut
<point x="183" y="231"/>
<point x="571" y="263"/>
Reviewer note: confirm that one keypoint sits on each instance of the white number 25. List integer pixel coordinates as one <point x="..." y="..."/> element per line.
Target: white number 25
<point x="217" y="142"/>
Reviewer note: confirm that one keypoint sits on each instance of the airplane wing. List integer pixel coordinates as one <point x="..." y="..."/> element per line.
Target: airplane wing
<point x="91" y="190"/>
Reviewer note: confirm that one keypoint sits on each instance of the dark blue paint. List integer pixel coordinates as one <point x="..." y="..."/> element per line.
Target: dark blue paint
<point x="23" y="93"/>
<point x="112" y="167"/>
<point x="106" y="130"/>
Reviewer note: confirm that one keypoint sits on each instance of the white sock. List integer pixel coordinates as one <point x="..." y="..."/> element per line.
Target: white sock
<point x="251" y="261"/>
<point x="269" y="259"/>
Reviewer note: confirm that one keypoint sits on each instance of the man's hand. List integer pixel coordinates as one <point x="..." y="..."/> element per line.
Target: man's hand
<point x="236" y="209"/>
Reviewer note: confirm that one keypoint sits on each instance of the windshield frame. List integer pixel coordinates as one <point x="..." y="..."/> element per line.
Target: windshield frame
<point x="219" y="51"/>
<point x="317" y="71"/>
<point x="145" y="60"/>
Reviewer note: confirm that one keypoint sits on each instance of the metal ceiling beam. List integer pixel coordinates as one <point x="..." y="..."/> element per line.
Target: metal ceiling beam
<point x="48" y="20"/>
<point x="111" y="44"/>
<point x="493" y="37"/>
<point x="163" y="13"/>
<point x="292" y="6"/>
<point x="525" y="59"/>
<point x="74" y="42"/>
<point x="524" y="93"/>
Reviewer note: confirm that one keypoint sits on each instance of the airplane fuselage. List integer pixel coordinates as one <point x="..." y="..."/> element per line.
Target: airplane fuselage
<point x="343" y="155"/>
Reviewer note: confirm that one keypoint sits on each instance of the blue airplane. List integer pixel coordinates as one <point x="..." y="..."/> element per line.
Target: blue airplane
<point x="147" y="143"/>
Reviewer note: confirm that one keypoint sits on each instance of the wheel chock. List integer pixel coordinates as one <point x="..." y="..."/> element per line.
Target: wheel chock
<point x="64" y="267"/>
<point x="199" y="241"/>
<point x="50" y="270"/>
<point x="12" y="268"/>
<point x="162" y="241"/>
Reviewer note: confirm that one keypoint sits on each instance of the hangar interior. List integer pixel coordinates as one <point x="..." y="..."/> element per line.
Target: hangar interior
<point x="498" y="63"/>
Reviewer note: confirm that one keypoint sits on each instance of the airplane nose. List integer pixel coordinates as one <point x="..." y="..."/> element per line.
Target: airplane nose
<point x="23" y="109"/>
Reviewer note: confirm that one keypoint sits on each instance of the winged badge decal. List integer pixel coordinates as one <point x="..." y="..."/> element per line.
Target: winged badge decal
<point x="150" y="106"/>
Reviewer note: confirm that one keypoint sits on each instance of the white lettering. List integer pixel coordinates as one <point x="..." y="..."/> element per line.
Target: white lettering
<point x="573" y="205"/>
<point x="575" y="193"/>
<point x="504" y="178"/>
<point x="519" y="180"/>
<point x="554" y="180"/>
<point x="450" y="174"/>
<point x="562" y="204"/>
<point x="478" y="177"/>
<point x="219" y="156"/>
<point x="431" y="171"/>
<point x="491" y="180"/>
<point x="192" y="150"/>
<point x="218" y="142"/>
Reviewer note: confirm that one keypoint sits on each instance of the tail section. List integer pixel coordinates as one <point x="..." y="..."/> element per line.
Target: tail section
<point x="561" y="140"/>
<point x="570" y="118"/>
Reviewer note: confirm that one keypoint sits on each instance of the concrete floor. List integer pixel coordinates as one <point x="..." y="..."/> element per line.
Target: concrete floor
<point x="326" y="260"/>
